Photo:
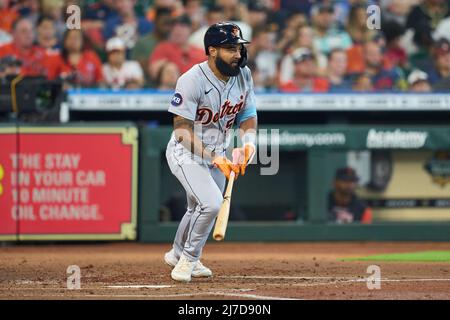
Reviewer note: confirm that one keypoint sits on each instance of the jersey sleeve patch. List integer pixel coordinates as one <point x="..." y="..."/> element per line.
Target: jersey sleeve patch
<point x="177" y="99"/>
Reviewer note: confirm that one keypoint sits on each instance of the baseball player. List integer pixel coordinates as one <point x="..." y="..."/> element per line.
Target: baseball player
<point x="209" y="99"/>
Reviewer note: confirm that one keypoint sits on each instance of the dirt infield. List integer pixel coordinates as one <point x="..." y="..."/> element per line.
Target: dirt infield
<point x="241" y="271"/>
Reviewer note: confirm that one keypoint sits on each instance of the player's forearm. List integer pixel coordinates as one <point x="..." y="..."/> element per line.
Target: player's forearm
<point x="248" y="130"/>
<point x="184" y="134"/>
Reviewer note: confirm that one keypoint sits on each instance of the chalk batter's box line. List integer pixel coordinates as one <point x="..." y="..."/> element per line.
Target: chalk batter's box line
<point x="129" y="137"/>
<point x="80" y="293"/>
<point x="126" y="287"/>
<point x="223" y="293"/>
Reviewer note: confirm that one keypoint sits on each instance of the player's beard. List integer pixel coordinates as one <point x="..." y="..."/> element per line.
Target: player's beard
<point x="226" y="68"/>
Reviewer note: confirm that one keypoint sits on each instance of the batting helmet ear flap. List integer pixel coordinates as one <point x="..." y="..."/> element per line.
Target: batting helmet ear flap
<point x="243" y="59"/>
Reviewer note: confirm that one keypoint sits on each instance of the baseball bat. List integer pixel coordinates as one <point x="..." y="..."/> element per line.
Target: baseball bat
<point x="224" y="212"/>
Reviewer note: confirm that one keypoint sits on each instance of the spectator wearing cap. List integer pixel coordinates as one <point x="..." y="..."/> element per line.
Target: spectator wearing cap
<point x="305" y="74"/>
<point x="418" y="82"/>
<point x="147" y="43"/>
<point x="439" y="75"/>
<point x="344" y="206"/>
<point x="126" y="25"/>
<point x="118" y="72"/>
<point x="326" y="35"/>
<point x="33" y="58"/>
<point x="337" y="71"/>
<point x="176" y="49"/>
<point x="77" y="64"/>
<point x="383" y="78"/>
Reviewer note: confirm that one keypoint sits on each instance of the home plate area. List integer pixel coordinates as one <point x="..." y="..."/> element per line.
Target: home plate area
<point x="254" y="271"/>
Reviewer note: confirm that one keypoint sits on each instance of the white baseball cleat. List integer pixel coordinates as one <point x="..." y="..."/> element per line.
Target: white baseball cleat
<point x="183" y="269"/>
<point x="199" y="270"/>
<point x="170" y="259"/>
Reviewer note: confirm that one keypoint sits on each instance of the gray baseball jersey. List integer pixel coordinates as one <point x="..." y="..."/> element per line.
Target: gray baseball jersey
<point x="216" y="105"/>
<point x="200" y="96"/>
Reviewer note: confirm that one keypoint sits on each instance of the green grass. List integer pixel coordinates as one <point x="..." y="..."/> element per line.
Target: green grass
<point x="427" y="256"/>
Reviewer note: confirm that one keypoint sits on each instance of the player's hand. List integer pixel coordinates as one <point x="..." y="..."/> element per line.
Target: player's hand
<point x="243" y="155"/>
<point x="226" y="166"/>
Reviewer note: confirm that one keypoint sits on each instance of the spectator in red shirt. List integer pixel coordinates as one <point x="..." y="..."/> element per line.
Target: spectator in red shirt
<point x="8" y="15"/>
<point x="176" y="49"/>
<point x="76" y="64"/>
<point x="34" y="59"/>
<point x="305" y="75"/>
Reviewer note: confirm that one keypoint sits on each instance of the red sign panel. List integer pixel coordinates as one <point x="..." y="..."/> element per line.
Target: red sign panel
<point x="68" y="185"/>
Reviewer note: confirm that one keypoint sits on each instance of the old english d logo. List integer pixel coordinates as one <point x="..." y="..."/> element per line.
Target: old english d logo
<point x="439" y="167"/>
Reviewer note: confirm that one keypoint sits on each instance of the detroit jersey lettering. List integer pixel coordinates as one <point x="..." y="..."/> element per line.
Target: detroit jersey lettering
<point x="215" y="104"/>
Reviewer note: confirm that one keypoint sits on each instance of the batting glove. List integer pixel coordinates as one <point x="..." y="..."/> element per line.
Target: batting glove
<point x="226" y="166"/>
<point x="244" y="156"/>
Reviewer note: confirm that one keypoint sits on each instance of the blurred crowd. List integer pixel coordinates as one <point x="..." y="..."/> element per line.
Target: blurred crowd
<point x="297" y="45"/>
